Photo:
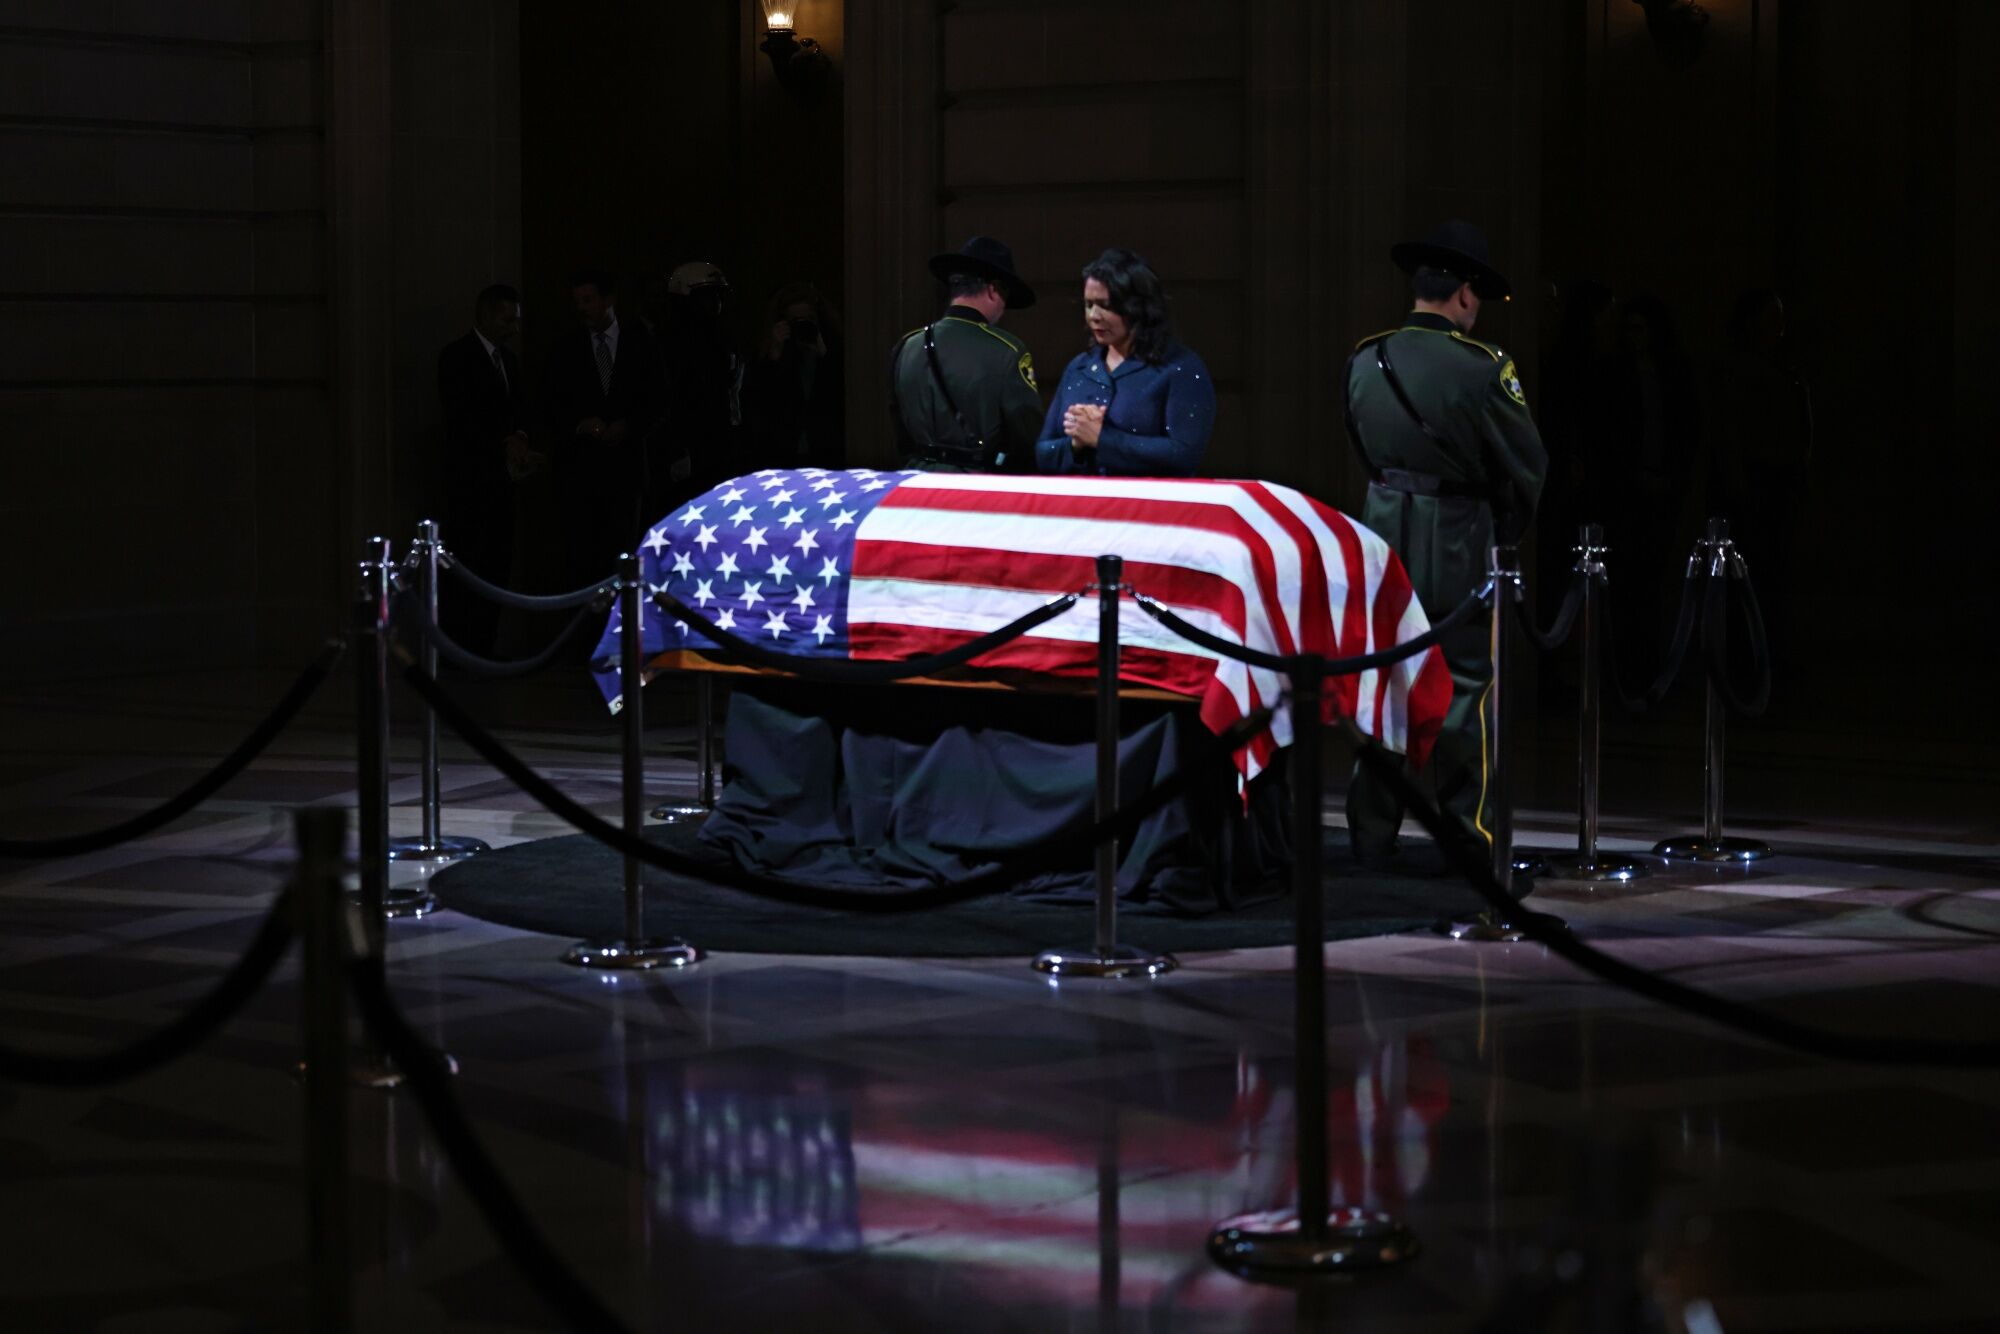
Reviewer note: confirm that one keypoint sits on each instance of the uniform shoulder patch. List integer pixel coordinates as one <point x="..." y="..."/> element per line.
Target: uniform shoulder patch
<point x="1510" y="381"/>
<point x="1026" y="366"/>
<point x="1372" y="338"/>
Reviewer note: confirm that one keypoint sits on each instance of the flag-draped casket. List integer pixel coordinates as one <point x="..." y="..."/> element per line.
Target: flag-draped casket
<point x="883" y="566"/>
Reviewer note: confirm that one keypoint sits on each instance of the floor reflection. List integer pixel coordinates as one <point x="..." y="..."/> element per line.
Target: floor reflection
<point x="830" y="1144"/>
<point x="1069" y="1204"/>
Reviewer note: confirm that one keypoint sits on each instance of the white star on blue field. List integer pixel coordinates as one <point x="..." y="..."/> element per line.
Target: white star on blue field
<point x="766" y="556"/>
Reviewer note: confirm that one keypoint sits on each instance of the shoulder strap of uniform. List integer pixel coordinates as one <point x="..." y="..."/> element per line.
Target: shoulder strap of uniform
<point x="1347" y="401"/>
<point x="1396" y="385"/>
<point x="937" y="376"/>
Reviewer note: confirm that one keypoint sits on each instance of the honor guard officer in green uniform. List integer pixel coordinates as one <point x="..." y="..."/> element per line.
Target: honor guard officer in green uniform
<point x="962" y="395"/>
<point x="1454" y="465"/>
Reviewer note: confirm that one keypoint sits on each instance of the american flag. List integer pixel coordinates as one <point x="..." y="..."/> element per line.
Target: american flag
<point x="870" y="565"/>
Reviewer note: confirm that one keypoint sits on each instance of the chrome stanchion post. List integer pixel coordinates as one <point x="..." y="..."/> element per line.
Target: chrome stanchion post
<point x="1106" y="957"/>
<point x="634" y="950"/>
<point x="371" y="752"/>
<point x="1503" y="567"/>
<point x="371" y="704"/>
<point x="693" y="812"/>
<point x="1589" y="864"/>
<point x="431" y="845"/>
<point x="1712" y="846"/>
<point x="323" y="910"/>
<point x="1313" y="1239"/>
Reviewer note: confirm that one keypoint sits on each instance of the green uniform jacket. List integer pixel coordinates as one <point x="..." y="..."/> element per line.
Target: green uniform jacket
<point x="992" y="379"/>
<point x="1483" y="451"/>
<point x="1481" y="463"/>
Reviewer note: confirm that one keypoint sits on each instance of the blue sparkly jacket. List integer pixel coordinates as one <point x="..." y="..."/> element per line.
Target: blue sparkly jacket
<point x="1157" y="420"/>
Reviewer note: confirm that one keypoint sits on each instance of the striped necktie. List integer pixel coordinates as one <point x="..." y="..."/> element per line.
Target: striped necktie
<point x="604" y="362"/>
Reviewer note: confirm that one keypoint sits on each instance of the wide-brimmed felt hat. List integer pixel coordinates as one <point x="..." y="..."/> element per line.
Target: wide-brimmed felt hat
<point x="1459" y="248"/>
<point x="985" y="257"/>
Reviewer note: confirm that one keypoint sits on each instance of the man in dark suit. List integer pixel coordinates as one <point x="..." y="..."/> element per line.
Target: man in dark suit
<point x="485" y="449"/>
<point x="606" y="398"/>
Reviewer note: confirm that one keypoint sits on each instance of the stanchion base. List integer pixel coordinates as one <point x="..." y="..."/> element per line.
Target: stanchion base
<point x="1601" y="871"/>
<point x="1270" y="1247"/>
<point x="1122" y="961"/>
<point x="448" y="848"/>
<point x="1487" y="927"/>
<point x="661" y="952"/>
<point x="679" y="812"/>
<point x="1717" y="850"/>
<point x="408" y="901"/>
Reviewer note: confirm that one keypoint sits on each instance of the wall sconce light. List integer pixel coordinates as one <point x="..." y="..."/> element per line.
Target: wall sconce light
<point x="797" y="61"/>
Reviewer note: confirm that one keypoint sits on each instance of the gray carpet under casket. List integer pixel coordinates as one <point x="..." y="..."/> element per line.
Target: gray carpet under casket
<point x="571" y="887"/>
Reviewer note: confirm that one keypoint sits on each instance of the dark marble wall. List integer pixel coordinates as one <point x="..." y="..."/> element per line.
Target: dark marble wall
<point x="1843" y="153"/>
<point x="1263" y="156"/>
<point x="657" y="134"/>
<point x="163" y="332"/>
<point x="235" y="234"/>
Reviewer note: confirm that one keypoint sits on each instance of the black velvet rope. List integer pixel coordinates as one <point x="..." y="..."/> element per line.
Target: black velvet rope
<point x="1409" y="648"/>
<point x="1470" y="858"/>
<point x="507" y="597"/>
<point x="860" y="673"/>
<point x="232" y="764"/>
<point x="180" y="1036"/>
<point x="1670" y="670"/>
<point x="459" y="656"/>
<point x="1715" y="641"/>
<point x="1557" y="634"/>
<point x="524" y="1242"/>
<point x="997" y="877"/>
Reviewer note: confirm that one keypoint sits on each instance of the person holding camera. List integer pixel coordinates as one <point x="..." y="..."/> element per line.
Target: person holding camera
<point x="962" y="394"/>
<point x="793" y="396"/>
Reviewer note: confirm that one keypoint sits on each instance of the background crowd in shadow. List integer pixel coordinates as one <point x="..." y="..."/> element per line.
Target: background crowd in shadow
<point x="1650" y="441"/>
<point x="548" y="472"/>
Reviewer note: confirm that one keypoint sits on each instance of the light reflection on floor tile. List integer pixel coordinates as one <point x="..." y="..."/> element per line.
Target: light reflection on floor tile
<point x="871" y="1144"/>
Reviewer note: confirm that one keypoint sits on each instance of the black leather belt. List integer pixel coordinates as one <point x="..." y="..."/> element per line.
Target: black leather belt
<point x="1424" y="484"/>
<point x="938" y="456"/>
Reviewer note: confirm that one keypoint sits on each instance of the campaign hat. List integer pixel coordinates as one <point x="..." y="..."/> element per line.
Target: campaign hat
<point x="984" y="257"/>
<point x="1459" y="248"/>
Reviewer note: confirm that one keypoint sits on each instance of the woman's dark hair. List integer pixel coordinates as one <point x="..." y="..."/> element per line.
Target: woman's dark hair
<point x="1138" y="297"/>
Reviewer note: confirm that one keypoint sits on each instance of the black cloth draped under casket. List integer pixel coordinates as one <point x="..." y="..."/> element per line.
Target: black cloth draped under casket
<point x="903" y="787"/>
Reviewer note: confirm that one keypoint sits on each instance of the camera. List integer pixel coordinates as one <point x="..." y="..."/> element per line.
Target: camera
<point x="805" y="333"/>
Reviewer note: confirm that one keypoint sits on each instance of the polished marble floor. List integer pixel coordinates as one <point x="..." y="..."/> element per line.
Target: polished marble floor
<point x="772" y="1143"/>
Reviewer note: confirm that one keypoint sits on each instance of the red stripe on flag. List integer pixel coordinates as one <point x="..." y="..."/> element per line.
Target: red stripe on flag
<point x="1181" y="673"/>
<point x="1210" y="517"/>
<point x="1176" y="585"/>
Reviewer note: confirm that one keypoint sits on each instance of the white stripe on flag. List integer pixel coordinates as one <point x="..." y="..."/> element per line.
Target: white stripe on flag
<point x="1282" y="550"/>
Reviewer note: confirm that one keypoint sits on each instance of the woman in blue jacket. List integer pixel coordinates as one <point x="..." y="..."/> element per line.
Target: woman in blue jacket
<point x="1135" y="403"/>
